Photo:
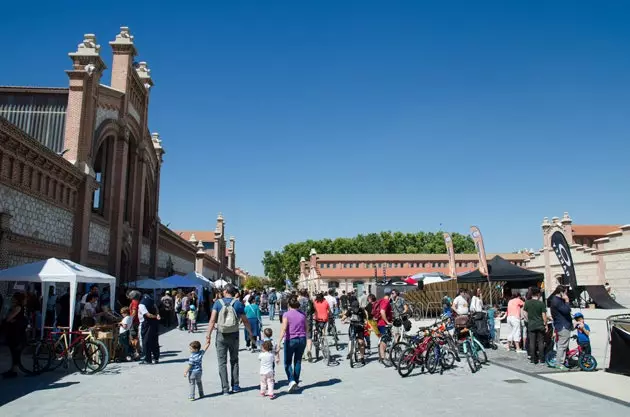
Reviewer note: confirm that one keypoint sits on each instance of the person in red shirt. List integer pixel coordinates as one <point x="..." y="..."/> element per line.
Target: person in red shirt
<point x="133" y="312"/>
<point x="384" y="321"/>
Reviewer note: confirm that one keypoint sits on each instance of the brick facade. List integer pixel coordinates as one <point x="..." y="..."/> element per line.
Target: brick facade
<point x="97" y="201"/>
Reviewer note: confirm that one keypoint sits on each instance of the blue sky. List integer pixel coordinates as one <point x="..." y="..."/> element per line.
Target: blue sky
<point x="312" y="119"/>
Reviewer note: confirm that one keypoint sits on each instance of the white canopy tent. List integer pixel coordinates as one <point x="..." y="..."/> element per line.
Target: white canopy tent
<point x="220" y="283"/>
<point x="54" y="270"/>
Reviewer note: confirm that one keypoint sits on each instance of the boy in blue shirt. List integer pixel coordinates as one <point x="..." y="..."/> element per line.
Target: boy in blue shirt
<point x="583" y="332"/>
<point x="193" y="371"/>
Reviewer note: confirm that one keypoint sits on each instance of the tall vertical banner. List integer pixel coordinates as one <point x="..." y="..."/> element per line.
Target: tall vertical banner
<point x="563" y="252"/>
<point x="481" y="250"/>
<point x="451" y="256"/>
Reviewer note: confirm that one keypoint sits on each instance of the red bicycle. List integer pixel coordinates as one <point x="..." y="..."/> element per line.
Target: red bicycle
<point x="575" y="357"/>
<point x="414" y="356"/>
<point x="88" y="354"/>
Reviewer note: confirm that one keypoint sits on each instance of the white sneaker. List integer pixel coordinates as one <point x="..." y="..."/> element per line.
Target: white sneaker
<point x="292" y="386"/>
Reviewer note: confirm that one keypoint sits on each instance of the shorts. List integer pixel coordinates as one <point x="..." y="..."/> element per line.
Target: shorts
<point x="397" y="331"/>
<point x="515" y="329"/>
<point x="383" y="330"/>
<point x="357" y="331"/>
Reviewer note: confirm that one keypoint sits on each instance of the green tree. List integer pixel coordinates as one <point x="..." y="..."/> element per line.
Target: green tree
<point x="254" y="283"/>
<point x="283" y="264"/>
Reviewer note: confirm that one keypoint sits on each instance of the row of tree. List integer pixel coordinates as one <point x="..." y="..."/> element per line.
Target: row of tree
<point x="285" y="263"/>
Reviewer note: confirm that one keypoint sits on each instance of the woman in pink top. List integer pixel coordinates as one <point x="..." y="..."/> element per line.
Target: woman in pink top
<point x="514" y="321"/>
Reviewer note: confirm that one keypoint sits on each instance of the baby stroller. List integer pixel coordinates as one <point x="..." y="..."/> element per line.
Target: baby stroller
<point x="479" y="327"/>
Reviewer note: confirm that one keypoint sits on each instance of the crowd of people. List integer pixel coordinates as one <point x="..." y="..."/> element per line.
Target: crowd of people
<point x="532" y="324"/>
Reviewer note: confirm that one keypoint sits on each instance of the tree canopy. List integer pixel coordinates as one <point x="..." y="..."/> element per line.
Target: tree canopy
<point x="285" y="263"/>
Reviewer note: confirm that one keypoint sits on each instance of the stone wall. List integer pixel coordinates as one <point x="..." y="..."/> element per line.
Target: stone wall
<point x="35" y="218"/>
<point x="145" y="253"/>
<point x="99" y="238"/>
<point x="180" y="265"/>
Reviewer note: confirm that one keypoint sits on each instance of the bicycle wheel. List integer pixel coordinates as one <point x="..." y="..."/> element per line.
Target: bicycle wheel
<point x="35" y="358"/>
<point x="407" y="363"/>
<point x="448" y="358"/>
<point x="325" y="350"/>
<point x="104" y="352"/>
<point x="587" y="363"/>
<point x="88" y="357"/>
<point x="550" y="359"/>
<point x="387" y="362"/>
<point x="351" y="352"/>
<point x="396" y="352"/>
<point x="481" y="352"/>
<point x="335" y="337"/>
<point x="433" y="358"/>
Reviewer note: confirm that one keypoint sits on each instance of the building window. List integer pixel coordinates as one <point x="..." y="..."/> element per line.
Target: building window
<point x="435" y="265"/>
<point x="334" y="266"/>
<point x="100" y="167"/>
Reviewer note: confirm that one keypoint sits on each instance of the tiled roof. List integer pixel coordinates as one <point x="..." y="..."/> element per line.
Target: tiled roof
<point x="199" y="235"/>
<point x="593" y="229"/>
<point x="419" y="257"/>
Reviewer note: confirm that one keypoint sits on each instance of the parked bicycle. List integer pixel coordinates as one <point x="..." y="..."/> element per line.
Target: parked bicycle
<point x="59" y="347"/>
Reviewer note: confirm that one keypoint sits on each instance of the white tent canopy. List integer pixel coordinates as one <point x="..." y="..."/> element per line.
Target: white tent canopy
<point x="220" y="283"/>
<point x="54" y="270"/>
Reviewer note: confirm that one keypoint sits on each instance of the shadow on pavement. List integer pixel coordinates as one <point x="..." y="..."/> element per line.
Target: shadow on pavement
<point x="12" y="389"/>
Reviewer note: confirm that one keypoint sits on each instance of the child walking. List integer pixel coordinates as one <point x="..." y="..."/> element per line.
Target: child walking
<point x="268" y="337"/>
<point x="193" y="371"/>
<point x="267" y="381"/>
<point x="192" y="319"/>
<point x="124" y="331"/>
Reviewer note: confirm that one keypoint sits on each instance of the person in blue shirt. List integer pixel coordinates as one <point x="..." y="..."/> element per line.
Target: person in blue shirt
<point x="193" y="370"/>
<point x="252" y="311"/>
<point x="583" y="333"/>
<point x="560" y="308"/>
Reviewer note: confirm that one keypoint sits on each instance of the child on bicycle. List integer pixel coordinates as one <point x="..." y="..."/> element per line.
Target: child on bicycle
<point x="583" y="333"/>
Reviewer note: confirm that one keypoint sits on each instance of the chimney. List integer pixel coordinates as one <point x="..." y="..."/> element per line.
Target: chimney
<point x="313" y="256"/>
<point x="566" y="226"/>
<point x="124" y="52"/>
<point x="85" y="75"/>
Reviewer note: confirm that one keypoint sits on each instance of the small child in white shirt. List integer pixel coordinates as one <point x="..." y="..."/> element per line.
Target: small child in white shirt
<point x="267" y="336"/>
<point x="192" y="319"/>
<point x="267" y="380"/>
<point x="123" y="333"/>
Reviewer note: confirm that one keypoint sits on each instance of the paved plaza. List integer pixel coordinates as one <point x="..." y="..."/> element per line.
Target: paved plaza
<point x="161" y="390"/>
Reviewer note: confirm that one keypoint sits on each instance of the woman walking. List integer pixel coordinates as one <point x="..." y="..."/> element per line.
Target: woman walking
<point x="252" y="311"/>
<point x="15" y="326"/>
<point x="294" y="334"/>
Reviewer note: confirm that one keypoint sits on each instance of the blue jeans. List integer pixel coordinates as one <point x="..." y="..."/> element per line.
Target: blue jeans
<point x="293" y="351"/>
<point x="272" y="311"/>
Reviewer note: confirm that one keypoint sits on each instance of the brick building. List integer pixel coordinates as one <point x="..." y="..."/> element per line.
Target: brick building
<point x="362" y="271"/>
<point x="80" y="174"/>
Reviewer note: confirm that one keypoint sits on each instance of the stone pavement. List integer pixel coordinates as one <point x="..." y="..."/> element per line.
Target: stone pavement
<point x="161" y="390"/>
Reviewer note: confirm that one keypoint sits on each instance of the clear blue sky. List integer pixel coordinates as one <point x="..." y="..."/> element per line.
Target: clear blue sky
<point x="312" y="119"/>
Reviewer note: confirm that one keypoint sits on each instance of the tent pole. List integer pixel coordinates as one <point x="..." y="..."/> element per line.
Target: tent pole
<point x="491" y="289"/>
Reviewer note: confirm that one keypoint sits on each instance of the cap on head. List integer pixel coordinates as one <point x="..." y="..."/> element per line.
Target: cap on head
<point x="578" y="316"/>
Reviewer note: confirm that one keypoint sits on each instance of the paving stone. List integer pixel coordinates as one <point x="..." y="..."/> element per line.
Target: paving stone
<point x="162" y="390"/>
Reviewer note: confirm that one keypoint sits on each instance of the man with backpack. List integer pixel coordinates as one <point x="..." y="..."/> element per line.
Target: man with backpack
<point x="226" y="313"/>
<point x="273" y="299"/>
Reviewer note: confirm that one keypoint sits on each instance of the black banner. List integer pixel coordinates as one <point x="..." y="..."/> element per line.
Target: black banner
<point x="563" y="252"/>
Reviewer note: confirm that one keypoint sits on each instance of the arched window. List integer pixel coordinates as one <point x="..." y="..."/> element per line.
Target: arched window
<point x="100" y="170"/>
<point x="148" y="211"/>
<point x="129" y="184"/>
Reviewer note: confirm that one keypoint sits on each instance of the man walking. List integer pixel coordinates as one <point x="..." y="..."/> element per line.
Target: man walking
<point x="226" y="313"/>
<point x="401" y="312"/>
<point x="273" y="299"/>
<point x="562" y="322"/>
<point x="536" y="314"/>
